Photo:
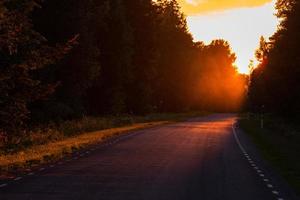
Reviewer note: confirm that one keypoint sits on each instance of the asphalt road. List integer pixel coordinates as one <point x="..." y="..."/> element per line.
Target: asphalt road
<point x="198" y="159"/>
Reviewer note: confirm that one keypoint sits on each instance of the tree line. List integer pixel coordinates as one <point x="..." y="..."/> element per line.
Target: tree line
<point x="63" y="59"/>
<point x="275" y="83"/>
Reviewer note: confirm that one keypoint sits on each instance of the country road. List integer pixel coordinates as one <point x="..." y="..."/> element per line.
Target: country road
<point x="200" y="159"/>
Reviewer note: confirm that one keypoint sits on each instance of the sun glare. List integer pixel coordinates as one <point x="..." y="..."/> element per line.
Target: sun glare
<point x="241" y="27"/>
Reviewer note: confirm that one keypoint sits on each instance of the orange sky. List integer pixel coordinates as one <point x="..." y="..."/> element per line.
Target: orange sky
<point x="241" y="22"/>
<point x="202" y="6"/>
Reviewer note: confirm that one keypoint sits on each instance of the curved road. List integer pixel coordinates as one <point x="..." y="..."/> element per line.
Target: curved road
<point x="198" y="159"/>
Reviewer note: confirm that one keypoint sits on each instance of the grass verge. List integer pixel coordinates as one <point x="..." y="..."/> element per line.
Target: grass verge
<point x="40" y="154"/>
<point x="279" y="144"/>
<point x="47" y="144"/>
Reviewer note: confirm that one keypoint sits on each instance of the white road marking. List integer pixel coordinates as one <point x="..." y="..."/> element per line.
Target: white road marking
<point x="3" y="185"/>
<point x="51" y="166"/>
<point x="18" y="178"/>
<point x="252" y="163"/>
<point x="238" y="141"/>
<point x="30" y="174"/>
<point x="42" y="169"/>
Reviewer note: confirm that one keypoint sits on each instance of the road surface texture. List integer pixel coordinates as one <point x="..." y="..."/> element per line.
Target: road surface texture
<point x="201" y="159"/>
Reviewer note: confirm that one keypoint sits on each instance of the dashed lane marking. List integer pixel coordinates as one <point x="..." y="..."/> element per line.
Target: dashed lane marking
<point x="252" y="163"/>
<point x="18" y="178"/>
<point x="262" y="175"/>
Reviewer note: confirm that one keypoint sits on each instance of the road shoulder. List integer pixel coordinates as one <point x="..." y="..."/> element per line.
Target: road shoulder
<point x="275" y="181"/>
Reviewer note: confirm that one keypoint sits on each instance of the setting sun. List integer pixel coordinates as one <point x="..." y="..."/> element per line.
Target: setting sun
<point x="236" y="21"/>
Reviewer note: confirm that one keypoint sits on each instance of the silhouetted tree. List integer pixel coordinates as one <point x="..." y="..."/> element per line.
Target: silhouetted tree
<point x="59" y="19"/>
<point x="22" y="52"/>
<point x="219" y="87"/>
<point x="133" y="57"/>
<point x="275" y="82"/>
<point x="174" y="47"/>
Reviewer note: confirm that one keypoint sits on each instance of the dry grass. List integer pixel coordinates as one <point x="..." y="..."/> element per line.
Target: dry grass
<point x="44" y="144"/>
<point x="44" y="153"/>
<point x="53" y="132"/>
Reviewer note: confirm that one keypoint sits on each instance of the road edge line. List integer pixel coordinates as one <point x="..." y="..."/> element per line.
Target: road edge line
<point x="253" y="164"/>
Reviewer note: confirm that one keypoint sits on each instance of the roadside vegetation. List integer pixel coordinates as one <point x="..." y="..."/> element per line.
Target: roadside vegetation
<point x="62" y="60"/>
<point x="275" y="82"/>
<point x="53" y="141"/>
<point x="274" y="88"/>
<point x="279" y="143"/>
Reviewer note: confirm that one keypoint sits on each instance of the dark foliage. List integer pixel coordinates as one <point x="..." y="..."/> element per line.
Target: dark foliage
<point x="275" y="83"/>
<point x="133" y="57"/>
<point x="23" y="51"/>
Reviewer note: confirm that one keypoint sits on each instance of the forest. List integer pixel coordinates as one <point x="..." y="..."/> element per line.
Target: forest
<point x="274" y="94"/>
<point x="275" y="85"/>
<point x="66" y="59"/>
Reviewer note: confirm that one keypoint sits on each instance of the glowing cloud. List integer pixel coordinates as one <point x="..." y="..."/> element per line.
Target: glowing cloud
<point x="195" y="2"/>
<point x="201" y="6"/>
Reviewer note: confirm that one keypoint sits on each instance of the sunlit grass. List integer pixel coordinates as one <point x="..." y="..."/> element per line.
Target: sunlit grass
<point x="50" y="143"/>
<point x="55" y="150"/>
